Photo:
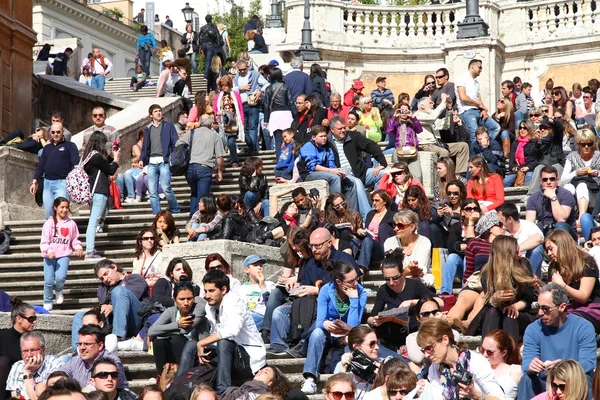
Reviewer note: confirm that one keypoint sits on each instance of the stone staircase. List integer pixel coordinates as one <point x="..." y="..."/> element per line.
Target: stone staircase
<point x="21" y="270"/>
<point x="120" y="87"/>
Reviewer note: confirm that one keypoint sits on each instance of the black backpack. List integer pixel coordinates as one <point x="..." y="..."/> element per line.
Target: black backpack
<point x="211" y="34"/>
<point x="180" y="157"/>
<point x="302" y="316"/>
<point x="182" y="386"/>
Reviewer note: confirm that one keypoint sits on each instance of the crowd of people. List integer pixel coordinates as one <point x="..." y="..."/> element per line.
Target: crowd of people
<point x="458" y="261"/>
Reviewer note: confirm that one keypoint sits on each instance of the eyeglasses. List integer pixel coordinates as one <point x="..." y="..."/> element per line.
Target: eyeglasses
<point x="551" y="179"/>
<point x="339" y="395"/>
<point x="97" y="115"/>
<point x="586" y="144"/>
<point x="556" y="386"/>
<point x="242" y="69"/>
<point x="392" y="278"/>
<point x="429" y="349"/>
<point x="31" y="350"/>
<point x="86" y="345"/>
<point x="394" y="393"/>
<point x="449" y="193"/>
<point x="486" y="352"/>
<point x="30" y="319"/>
<point x="144" y="238"/>
<point x="318" y="246"/>
<point x="339" y="206"/>
<point x="546" y="309"/>
<point x="471" y="209"/>
<point x="426" y="314"/>
<point x="106" y="374"/>
<point x="213" y="267"/>
<point x="401" y="226"/>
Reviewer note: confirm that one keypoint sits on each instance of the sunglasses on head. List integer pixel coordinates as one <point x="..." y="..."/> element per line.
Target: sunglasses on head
<point x="426" y="314"/>
<point x="561" y="386"/>
<point x="394" y="393"/>
<point x="551" y="179"/>
<point x="339" y="395"/>
<point x="30" y="319"/>
<point x="106" y="374"/>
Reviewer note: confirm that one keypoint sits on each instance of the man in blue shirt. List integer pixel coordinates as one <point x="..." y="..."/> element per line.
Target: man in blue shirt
<point x="382" y="97"/>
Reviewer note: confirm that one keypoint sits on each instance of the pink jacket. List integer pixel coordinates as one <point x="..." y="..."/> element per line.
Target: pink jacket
<point x="62" y="239"/>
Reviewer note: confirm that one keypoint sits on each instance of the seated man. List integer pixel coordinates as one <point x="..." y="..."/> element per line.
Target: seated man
<point x="317" y="161"/>
<point x="553" y="207"/>
<point x="105" y="378"/>
<point x="555" y="336"/>
<point x="91" y="348"/>
<point x="236" y="343"/>
<point x="35" y="367"/>
<point x="489" y="149"/>
<point x="256" y="290"/>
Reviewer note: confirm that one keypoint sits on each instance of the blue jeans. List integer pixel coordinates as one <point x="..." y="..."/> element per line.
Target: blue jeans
<point x="120" y="181"/>
<point x="98" y="206"/>
<point x="98" y="82"/>
<point x="276" y="299"/>
<point x="280" y="325"/>
<point x="250" y="201"/>
<point x="278" y="141"/>
<point x="506" y="135"/>
<point x="161" y="173"/>
<point x="75" y="327"/>
<point x="129" y="181"/>
<point x="370" y="251"/>
<point x="209" y="51"/>
<point x="258" y="320"/>
<point x="509" y="180"/>
<point x="55" y="273"/>
<point x="316" y="345"/>
<point x="201" y="236"/>
<point x="145" y="52"/>
<point x="566" y="227"/>
<point x="361" y="194"/>
<point x="587" y="223"/>
<point x="251" y="115"/>
<point x="335" y="186"/>
<point x="199" y="178"/>
<point x="192" y="58"/>
<point x="227" y="353"/>
<point x="472" y="120"/>
<point x="52" y="190"/>
<point x="125" y="312"/>
<point x="536" y="257"/>
<point x="232" y="146"/>
<point x="453" y="263"/>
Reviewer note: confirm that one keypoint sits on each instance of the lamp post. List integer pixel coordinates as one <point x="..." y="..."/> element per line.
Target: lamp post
<point x="274" y="20"/>
<point x="307" y="51"/>
<point x="188" y="13"/>
<point x="473" y="25"/>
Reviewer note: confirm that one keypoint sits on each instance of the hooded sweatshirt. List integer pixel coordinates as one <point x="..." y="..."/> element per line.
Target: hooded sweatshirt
<point x="62" y="238"/>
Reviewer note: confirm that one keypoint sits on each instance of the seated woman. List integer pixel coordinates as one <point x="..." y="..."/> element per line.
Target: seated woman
<point x="436" y="339"/>
<point x="566" y="380"/>
<point x="268" y="379"/>
<point x="337" y="212"/>
<point x="287" y="217"/>
<point x="484" y="185"/>
<point x="389" y="367"/>
<point x="148" y="257"/>
<point x="396" y="182"/>
<point x="370" y="119"/>
<point x="341" y="299"/>
<point x="232" y="225"/>
<point x="505" y="117"/>
<point x="577" y="271"/>
<point x="203" y="222"/>
<point x="398" y="291"/>
<point x="416" y="200"/>
<point x="507" y="287"/>
<point x="177" y="271"/>
<point x="339" y="383"/>
<point x="33" y="144"/>
<point x="176" y="332"/>
<point x="254" y="187"/>
<point x="402" y="130"/>
<point x="502" y="352"/>
<point x="522" y="160"/>
<point x="216" y="261"/>
<point x="416" y="248"/>
<point x="448" y="213"/>
<point x="164" y="226"/>
<point x="380" y="219"/>
<point x="446" y="172"/>
<point x="336" y="242"/>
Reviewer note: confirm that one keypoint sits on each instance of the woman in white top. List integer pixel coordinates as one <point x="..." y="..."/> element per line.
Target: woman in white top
<point x="437" y="342"/>
<point x="502" y="352"/>
<point x="85" y="77"/>
<point x="148" y="257"/>
<point x="416" y="248"/>
<point x="167" y="79"/>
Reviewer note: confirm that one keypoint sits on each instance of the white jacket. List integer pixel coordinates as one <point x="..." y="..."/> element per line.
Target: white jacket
<point x="429" y="123"/>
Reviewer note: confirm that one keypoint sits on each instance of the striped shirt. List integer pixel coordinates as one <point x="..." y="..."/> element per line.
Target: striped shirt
<point x="344" y="163"/>
<point x="476" y="255"/>
<point x="15" y="379"/>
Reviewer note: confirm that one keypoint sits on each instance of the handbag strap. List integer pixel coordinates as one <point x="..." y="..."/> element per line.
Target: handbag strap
<point x="274" y="94"/>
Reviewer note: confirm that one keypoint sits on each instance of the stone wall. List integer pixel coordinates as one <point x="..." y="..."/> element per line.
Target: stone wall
<point x="56" y="330"/>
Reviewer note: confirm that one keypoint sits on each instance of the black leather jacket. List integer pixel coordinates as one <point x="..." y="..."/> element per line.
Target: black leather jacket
<point x="283" y="101"/>
<point x="255" y="184"/>
<point x="194" y="41"/>
<point x="231" y="227"/>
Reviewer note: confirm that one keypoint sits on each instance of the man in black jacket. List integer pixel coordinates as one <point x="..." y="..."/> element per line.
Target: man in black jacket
<point x="547" y="147"/>
<point x="347" y="147"/>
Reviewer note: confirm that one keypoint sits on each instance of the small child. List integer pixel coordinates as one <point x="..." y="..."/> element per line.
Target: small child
<point x="60" y="238"/>
<point x="285" y="163"/>
<point x="139" y="80"/>
<point x="255" y="291"/>
<point x="164" y="226"/>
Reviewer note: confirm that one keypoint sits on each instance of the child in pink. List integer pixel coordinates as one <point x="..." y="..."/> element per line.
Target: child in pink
<point x="60" y="238"/>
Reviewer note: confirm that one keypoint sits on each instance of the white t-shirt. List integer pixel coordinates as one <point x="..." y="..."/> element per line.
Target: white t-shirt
<point x="527" y="230"/>
<point x="421" y="253"/>
<point x="471" y="86"/>
<point x="253" y="296"/>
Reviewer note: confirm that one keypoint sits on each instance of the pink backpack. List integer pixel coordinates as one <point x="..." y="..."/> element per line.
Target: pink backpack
<point x="78" y="182"/>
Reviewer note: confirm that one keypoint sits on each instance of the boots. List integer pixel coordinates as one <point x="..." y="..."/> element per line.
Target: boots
<point x="506" y="147"/>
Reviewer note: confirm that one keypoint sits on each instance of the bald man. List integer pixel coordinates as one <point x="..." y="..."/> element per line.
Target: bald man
<point x="313" y="277"/>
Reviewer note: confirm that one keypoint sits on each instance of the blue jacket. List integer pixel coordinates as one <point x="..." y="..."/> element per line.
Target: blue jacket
<point x="312" y="155"/>
<point x="168" y="138"/>
<point x="57" y="161"/>
<point x="313" y="271"/>
<point x="252" y="81"/>
<point x="298" y="82"/>
<point x="286" y="159"/>
<point x="493" y="154"/>
<point x="327" y="311"/>
<point x="146" y="39"/>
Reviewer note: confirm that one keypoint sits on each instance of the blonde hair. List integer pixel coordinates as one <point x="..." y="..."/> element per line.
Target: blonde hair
<point x="586" y="135"/>
<point x="570" y="260"/>
<point x="503" y="270"/>
<point x="203" y="387"/>
<point x="215" y="64"/>
<point x="574" y="377"/>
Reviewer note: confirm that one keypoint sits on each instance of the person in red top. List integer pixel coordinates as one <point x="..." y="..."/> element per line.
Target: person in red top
<point x="484" y="185"/>
<point x="336" y="108"/>
<point x="355" y="90"/>
<point x="396" y="181"/>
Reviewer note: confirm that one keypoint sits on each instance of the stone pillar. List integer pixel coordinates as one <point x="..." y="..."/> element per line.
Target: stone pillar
<point x="473" y="25"/>
<point x="16" y="65"/>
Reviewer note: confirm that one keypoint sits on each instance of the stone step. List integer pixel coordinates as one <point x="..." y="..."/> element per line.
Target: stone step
<point x="24" y="268"/>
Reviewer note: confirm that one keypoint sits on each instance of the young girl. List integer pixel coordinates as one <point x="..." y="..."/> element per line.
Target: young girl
<point x="164" y="226"/>
<point x="60" y="237"/>
<point x="148" y="257"/>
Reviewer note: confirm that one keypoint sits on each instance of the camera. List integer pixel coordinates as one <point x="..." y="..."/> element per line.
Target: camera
<point x="464" y="377"/>
<point x="546" y="229"/>
<point x="184" y="278"/>
<point x="362" y="366"/>
<point x="403" y="111"/>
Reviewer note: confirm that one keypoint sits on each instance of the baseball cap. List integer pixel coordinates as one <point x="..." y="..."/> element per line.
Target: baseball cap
<point x="358" y="85"/>
<point x="379" y="79"/>
<point x="273" y="63"/>
<point x="546" y="125"/>
<point x="253" y="259"/>
<point x="487" y="222"/>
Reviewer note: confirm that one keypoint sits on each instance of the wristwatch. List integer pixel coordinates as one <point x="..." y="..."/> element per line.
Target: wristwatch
<point x="553" y="198"/>
<point x="27" y="376"/>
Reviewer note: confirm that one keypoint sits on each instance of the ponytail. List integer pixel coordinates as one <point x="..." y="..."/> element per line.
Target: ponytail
<point x="19" y="307"/>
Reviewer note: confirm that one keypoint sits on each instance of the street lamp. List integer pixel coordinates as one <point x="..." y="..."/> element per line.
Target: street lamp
<point x="307" y="51"/>
<point x="188" y="13"/>
<point x="473" y="25"/>
<point x="274" y="20"/>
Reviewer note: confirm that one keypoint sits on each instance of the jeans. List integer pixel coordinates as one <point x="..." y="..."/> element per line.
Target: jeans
<point x="587" y="223"/>
<point x="145" y="52"/>
<point x="52" y="190"/>
<point x="75" y="327"/>
<point x="472" y="120"/>
<point x="232" y="146"/>
<point x="161" y="173"/>
<point x="453" y="263"/>
<point x="98" y="82"/>
<point x="98" y="206"/>
<point x="199" y="178"/>
<point x="201" y="236"/>
<point x="250" y="201"/>
<point x="258" y="320"/>
<point x="129" y="181"/>
<point x="174" y="349"/>
<point x="509" y="180"/>
<point x="566" y="227"/>
<point x="278" y="141"/>
<point x="251" y="115"/>
<point x="125" y="312"/>
<point x="316" y="345"/>
<point x="506" y="135"/>
<point x="228" y="352"/>
<point x="192" y="58"/>
<point x="141" y="186"/>
<point x="55" y="273"/>
<point x="370" y="180"/>
<point x="120" y="181"/>
<point x="371" y="252"/>
<point x="536" y="257"/>
<point x="280" y="326"/>
<point x="276" y="299"/>
<point x="335" y="186"/>
<point x="209" y="52"/>
<point x="189" y="356"/>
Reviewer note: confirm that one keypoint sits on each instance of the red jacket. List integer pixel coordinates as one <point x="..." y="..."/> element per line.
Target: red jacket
<point x="348" y="98"/>
<point x="342" y="112"/>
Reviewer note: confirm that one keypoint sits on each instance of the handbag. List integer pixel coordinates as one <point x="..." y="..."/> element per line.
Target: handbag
<point x="590" y="182"/>
<point x="474" y="281"/>
<point x="520" y="179"/>
<point x="252" y="102"/>
<point x="406" y="152"/>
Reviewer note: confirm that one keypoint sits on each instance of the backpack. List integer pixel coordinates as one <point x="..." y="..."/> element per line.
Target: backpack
<point x="180" y="157"/>
<point x="183" y="385"/>
<point x="78" y="182"/>
<point x="215" y="36"/>
<point x="302" y="316"/>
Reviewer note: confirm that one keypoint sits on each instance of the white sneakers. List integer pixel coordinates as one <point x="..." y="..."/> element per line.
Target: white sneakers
<point x="131" y="345"/>
<point x="59" y="297"/>
<point x="48" y="306"/>
<point x="309" y="386"/>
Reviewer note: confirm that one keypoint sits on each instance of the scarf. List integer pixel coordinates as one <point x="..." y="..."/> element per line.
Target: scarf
<point x="236" y="105"/>
<point x="520" y="152"/>
<point x="449" y="385"/>
<point x="292" y="221"/>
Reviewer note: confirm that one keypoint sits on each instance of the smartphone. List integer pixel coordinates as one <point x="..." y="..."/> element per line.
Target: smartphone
<point x="115" y="146"/>
<point x="314" y="193"/>
<point x="294" y="291"/>
<point x="192" y="316"/>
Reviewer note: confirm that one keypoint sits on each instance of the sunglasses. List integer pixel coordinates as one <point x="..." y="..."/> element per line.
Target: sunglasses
<point x="372" y="344"/>
<point x="501" y="101"/>
<point x="535" y="115"/>
<point x="546" y="309"/>
<point x="392" y="278"/>
<point x="587" y="144"/>
<point x="55" y="132"/>
<point x="486" y="352"/>
<point x="31" y="319"/>
<point x="84" y="344"/>
<point x="471" y="209"/>
<point x="551" y="179"/>
<point x="218" y="266"/>
<point x="394" y="393"/>
<point x="97" y="115"/>
<point x="430" y="83"/>
<point x="147" y="238"/>
<point x="401" y="226"/>
<point x="556" y="386"/>
<point x="398" y="173"/>
<point x="427" y="314"/>
<point x="440" y="77"/>
<point x="242" y="69"/>
<point x="523" y="127"/>
<point x="556" y="94"/>
<point x="449" y="193"/>
<point x="587" y="97"/>
<point x="339" y="395"/>
<point x="339" y="206"/>
<point x="106" y="374"/>
<point x="428" y="349"/>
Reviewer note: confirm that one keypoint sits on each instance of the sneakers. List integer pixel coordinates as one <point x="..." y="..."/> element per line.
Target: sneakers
<point x="309" y="386"/>
<point x="131" y="345"/>
<point x="129" y="200"/>
<point x="265" y="335"/>
<point x="297" y="351"/>
<point x="92" y="256"/>
<point x="99" y="229"/>
<point x="277" y="349"/>
<point x="48" y="306"/>
<point x="137" y="200"/>
<point x="59" y="297"/>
